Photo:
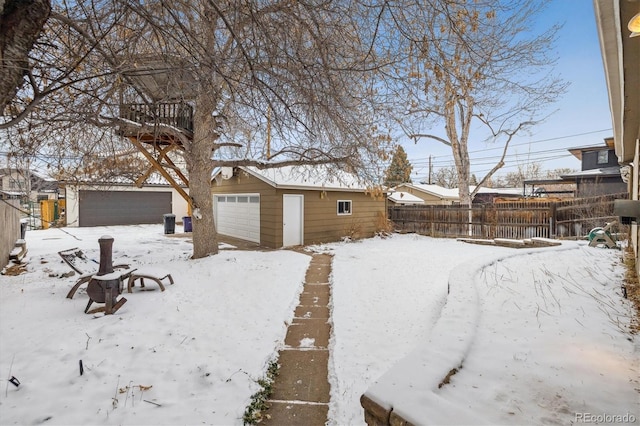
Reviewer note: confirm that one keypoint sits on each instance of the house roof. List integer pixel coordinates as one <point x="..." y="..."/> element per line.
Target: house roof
<point x="434" y="190"/>
<point x="605" y="171"/>
<point x="502" y="191"/>
<point x="306" y="177"/>
<point x="453" y="194"/>
<point x="401" y="197"/>
<point x="578" y="151"/>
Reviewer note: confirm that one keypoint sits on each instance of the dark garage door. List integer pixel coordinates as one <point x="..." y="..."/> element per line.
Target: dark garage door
<point x="98" y="208"/>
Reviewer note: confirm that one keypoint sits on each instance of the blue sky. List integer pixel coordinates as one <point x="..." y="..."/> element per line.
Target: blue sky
<point x="583" y="117"/>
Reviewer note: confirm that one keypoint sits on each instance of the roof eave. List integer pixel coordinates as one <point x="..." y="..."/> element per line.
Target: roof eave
<point x="300" y="187"/>
<point x="621" y="59"/>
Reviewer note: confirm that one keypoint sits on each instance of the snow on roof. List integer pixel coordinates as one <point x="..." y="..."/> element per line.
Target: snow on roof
<point x="436" y="190"/>
<point x="453" y="194"/>
<point x="11" y="193"/>
<point x="504" y="191"/>
<point x="308" y="177"/>
<point x="401" y="197"/>
<point x="605" y="171"/>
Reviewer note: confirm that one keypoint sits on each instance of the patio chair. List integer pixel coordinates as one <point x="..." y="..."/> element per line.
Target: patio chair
<point x="153" y="275"/>
<point x="87" y="268"/>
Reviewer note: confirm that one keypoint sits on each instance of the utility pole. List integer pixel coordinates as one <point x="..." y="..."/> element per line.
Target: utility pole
<point x="269" y="133"/>
<point x="429" y="180"/>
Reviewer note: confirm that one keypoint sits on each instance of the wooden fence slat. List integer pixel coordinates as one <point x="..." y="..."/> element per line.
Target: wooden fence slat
<point x="514" y="220"/>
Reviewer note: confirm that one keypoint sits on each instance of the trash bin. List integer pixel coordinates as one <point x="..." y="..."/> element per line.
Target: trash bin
<point x="169" y="223"/>
<point x="186" y="222"/>
<point x="23" y="227"/>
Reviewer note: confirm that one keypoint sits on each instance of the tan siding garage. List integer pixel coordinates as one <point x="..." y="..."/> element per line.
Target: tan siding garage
<point x="329" y="211"/>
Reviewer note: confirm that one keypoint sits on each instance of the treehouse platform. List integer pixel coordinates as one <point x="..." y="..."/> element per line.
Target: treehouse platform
<point x="156" y="129"/>
<point x="158" y="124"/>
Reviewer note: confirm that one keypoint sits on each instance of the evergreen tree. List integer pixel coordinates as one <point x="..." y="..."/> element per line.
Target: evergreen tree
<point x="399" y="170"/>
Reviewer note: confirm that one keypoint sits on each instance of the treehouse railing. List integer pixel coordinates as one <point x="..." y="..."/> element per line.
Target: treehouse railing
<point x="178" y="114"/>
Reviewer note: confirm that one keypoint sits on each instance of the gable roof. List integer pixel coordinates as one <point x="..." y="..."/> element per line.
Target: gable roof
<point x="434" y="190"/>
<point x="401" y="197"/>
<point x="305" y="177"/>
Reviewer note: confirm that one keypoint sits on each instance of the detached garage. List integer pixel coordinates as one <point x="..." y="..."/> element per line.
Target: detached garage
<point x="292" y="206"/>
<point x="120" y="204"/>
<point x="103" y="208"/>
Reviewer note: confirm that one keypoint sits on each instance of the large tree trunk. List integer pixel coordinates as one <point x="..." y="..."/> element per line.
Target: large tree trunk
<point x="21" y="23"/>
<point x="205" y="236"/>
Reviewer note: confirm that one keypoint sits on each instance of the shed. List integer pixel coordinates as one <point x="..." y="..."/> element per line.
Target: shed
<point x="294" y="205"/>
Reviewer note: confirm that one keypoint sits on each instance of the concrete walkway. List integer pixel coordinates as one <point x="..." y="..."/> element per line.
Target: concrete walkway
<point x="301" y="389"/>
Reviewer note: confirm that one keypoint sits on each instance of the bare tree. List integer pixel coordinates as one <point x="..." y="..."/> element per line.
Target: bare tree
<point x="473" y="69"/>
<point x="528" y="171"/>
<point x="446" y="177"/>
<point x="235" y="65"/>
<point x="525" y="171"/>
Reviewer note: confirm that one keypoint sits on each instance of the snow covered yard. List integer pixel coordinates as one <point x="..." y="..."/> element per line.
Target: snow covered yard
<point x="195" y="349"/>
<point x="535" y="336"/>
<point x="545" y="337"/>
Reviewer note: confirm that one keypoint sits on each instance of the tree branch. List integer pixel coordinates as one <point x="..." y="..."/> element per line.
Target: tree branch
<point x="416" y="136"/>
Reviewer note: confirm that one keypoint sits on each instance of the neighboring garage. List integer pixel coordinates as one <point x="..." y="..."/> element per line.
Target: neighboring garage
<point x="238" y="215"/>
<point x="102" y="208"/>
<point x="122" y="204"/>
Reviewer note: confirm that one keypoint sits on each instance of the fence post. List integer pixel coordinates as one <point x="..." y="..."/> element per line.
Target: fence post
<point x="433" y="226"/>
<point x="552" y="219"/>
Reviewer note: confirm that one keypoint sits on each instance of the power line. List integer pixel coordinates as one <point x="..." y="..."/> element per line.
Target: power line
<point x="417" y="160"/>
<point x="511" y="160"/>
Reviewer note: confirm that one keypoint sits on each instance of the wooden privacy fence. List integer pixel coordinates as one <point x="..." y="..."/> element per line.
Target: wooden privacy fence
<point x="508" y="219"/>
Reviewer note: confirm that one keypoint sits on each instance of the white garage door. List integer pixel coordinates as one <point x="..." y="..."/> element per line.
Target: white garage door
<point x="238" y="215"/>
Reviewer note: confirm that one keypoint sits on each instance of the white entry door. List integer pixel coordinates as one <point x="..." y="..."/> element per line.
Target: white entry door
<point x="292" y="222"/>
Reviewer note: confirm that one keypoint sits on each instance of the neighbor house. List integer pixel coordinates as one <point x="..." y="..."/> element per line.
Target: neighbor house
<point x="436" y="195"/>
<point x="600" y="172"/>
<point x="490" y="195"/>
<point x="432" y="195"/>
<point x="27" y="185"/>
<point x="401" y="198"/>
<point x="294" y="205"/>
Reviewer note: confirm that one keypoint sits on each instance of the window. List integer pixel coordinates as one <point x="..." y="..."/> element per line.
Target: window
<point x="243" y="199"/>
<point x="231" y="199"/>
<point x="344" y="207"/>
<point x="254" y="199"/>
<point x="603" y="157"/>
<point x="17" y="184"/>
<point x="222" y="199"/>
